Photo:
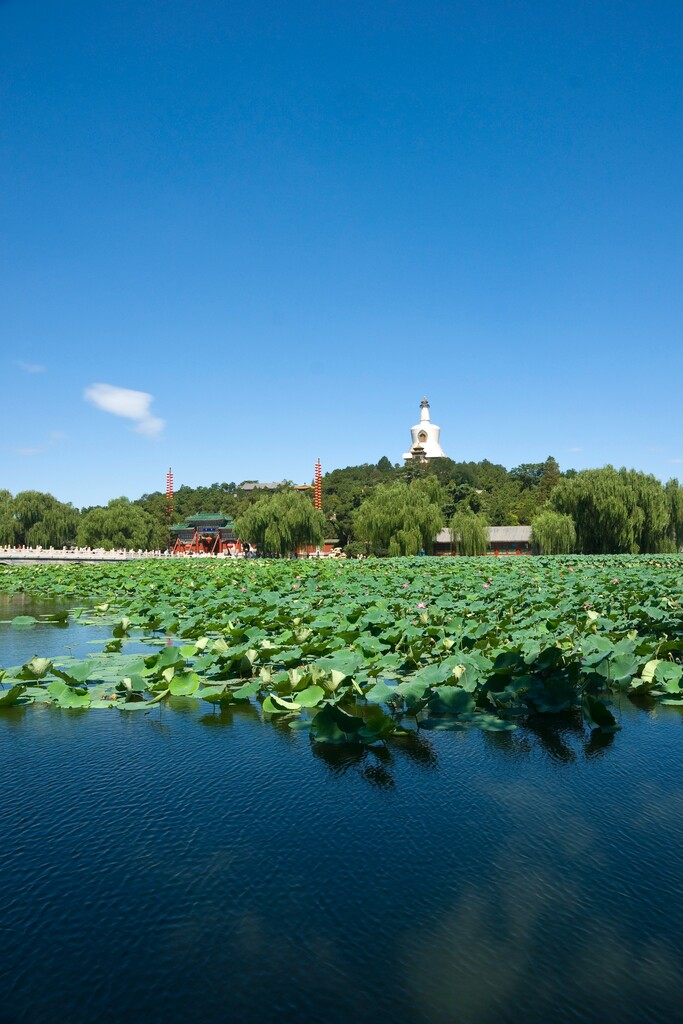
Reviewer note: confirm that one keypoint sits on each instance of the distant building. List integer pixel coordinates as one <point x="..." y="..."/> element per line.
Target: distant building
<point x="256" y="485"/>
<point x="425" y="438"/>
<point x="503" y="540"/>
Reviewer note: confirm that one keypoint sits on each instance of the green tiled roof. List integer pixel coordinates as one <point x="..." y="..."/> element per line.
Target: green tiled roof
<point x="222" y="521"/>
<point x="204" y="516"/>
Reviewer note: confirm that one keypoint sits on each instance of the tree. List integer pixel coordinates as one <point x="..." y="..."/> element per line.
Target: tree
<point x="8" y="524"/>
<point x="280" y="524"/>
<point x="122" y="524"/>
<point x="615" y="511"/>
<point x="674" y="495"/>
<point x="344" y="491"/>
<point x="553" y="533"/>
<point x="401" y="518"/>
<point x="40" y="520"/>
<point x="469" y="533"/>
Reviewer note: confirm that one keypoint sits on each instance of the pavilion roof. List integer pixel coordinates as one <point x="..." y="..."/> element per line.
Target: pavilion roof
<point x="497" y="535"/>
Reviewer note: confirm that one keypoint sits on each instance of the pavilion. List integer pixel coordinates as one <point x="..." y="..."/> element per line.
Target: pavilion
<point x="210" y="533"/>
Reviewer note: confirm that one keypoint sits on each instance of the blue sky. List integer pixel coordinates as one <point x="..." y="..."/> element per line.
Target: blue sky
<point x="282" y="224"/>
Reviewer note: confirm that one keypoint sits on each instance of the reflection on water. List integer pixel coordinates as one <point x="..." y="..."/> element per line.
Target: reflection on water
<point x="223" y="867"/>
<point x="49" y="637"/>
<point x="12" y="605"/>
<point x="377" y="764"/>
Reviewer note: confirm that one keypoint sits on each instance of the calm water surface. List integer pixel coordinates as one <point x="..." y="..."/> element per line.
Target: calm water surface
<point x="185" y="864"/>
<point x="47" y="639"/>
<point x="190" y="865"/>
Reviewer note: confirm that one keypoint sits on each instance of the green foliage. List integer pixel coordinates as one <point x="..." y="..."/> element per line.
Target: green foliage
<point x="33" y="519"/>
<point x="542" y="476"/>
<point x="553" y="533"/>
<point x="357" y="652"/>
<point x="615" y="511"/>
<point x="8" y="524"/>
<point x="282" y="523"/>
<point x="401" y="518"/>
<point x="481" y="487"/>
<point x="344" y="490"/>
<point x="674" y="496"/>
<point x="469" y="533"/>
<point x="121" y="524"/>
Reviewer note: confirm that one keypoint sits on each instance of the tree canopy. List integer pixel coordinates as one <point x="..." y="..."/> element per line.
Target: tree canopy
<point x="121" y="524"/>
<point x="612" y="510"/>
<point x="674" y="496"/>
<point x="469" y="533"/>
<point x="36" y="519"/>
<point x="553" y="533"/>
<point x="615" y="511"/>
<point x="280" y="524"/>
<point x="401" y="518"/>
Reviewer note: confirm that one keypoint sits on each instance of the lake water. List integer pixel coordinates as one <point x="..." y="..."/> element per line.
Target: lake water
<point x="46" y="639"/>
<point x="190" y="864"/>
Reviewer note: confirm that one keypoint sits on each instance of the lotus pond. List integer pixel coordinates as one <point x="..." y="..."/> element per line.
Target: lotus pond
<point x="430" y="789"/>
<point x="363" y="653"/>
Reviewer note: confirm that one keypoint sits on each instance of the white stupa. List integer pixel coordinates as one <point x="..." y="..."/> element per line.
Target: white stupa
<point x="425" y="438"/>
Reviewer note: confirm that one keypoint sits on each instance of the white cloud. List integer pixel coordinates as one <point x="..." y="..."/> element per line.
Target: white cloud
<point x="31" y="367"/>
<point x="574" y="449"/>
<point x="132" y="405"/>
<point x="150" y="426"/>
<point x="676" y="462"/>
<point x="54" y="438"/>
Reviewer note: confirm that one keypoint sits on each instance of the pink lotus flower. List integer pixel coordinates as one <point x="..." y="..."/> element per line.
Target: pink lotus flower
<point x="421" y="604"/>
<point x="243" y="588"/>
<point x="486" y="586"/>
<point x="615" y="580"/>
<point x="404" y="585"/>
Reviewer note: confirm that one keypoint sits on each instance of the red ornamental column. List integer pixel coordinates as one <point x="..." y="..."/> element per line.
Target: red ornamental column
<point x="169" y="493"/>
<point x="318" y="489"/>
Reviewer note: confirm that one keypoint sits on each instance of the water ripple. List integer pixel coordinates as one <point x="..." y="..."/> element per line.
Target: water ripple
<point x="185" y="864"/>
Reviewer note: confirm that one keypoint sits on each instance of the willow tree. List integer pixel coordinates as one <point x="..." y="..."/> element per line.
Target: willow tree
<point x="121" y="524"/>
<point x="615" y="511"/>
<point x="674" y="495"/>
<point x="401" y="518"/>
<point x="8" y="524"/>
<point x="280" y="524"/>
<point x="553" y="533"/>
<point x="469" y="533"/>
<point x="39" y="519"/>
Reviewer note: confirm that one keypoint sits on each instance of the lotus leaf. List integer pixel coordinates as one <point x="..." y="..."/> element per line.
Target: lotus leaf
<point x="11" y="696"/>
